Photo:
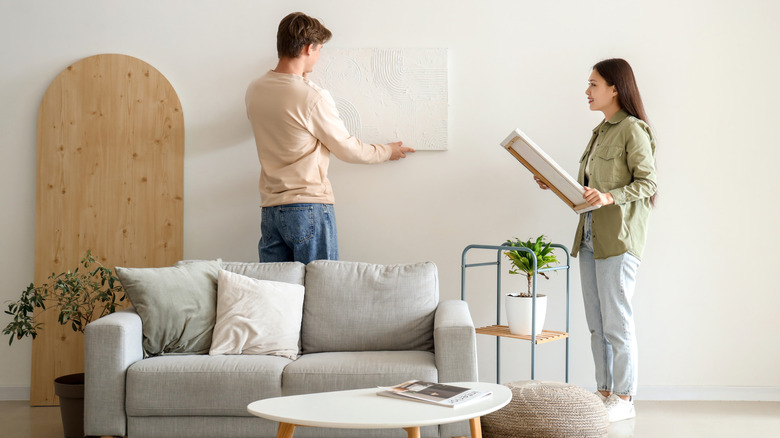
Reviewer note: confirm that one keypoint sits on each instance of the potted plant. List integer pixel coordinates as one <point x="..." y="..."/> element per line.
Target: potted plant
<point x="519" y="306"/>
<point x="80" y="296"/>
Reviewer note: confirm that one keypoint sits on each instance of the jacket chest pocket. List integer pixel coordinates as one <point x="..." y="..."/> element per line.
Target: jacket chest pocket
<point x="608" y="164"/>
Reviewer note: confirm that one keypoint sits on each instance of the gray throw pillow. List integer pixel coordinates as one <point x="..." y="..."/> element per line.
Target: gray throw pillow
<point x="177" y="305"/>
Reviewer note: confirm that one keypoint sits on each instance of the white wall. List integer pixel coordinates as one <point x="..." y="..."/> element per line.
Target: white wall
<point x="707" y="297"/>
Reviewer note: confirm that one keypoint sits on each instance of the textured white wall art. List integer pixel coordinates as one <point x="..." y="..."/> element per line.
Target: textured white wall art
<point x="386" y="95"/>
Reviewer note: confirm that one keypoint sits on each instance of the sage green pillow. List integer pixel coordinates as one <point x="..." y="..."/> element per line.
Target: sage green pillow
<point x="177" y="305"/>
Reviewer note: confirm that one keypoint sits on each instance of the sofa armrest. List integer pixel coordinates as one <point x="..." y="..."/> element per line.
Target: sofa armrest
<point x="455" y="342"/>
<point x="111" y="344"/>
<point x="455" y="349"/>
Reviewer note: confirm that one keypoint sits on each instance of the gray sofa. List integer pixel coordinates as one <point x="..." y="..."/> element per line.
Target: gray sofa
<point x="363" y="325"/>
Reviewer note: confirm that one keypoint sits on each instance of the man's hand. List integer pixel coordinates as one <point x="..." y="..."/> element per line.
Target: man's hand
<point x="596" y="198"/>
<point x="398" y="150"/>
<point x="542" y="185"/>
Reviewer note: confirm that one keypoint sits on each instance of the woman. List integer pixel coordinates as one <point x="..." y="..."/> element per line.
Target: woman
<point x="618" y="173"/>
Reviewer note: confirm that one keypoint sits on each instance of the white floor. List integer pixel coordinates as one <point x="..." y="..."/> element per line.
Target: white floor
<point x="710" y="419"/>
<point x="655" y="419"/>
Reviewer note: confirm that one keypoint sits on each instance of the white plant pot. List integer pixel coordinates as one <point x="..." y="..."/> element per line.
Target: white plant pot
<point x="519" y="311"/>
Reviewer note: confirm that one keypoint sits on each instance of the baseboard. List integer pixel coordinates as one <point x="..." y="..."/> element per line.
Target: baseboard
<point x="8" y="393"/>
<point x="709" y="393"/>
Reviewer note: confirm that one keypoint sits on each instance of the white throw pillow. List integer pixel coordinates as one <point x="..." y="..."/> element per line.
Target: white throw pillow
<point x="257" y="316"/>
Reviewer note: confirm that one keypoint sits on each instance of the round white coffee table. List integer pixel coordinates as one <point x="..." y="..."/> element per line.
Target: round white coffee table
<point x="364" y="409"/>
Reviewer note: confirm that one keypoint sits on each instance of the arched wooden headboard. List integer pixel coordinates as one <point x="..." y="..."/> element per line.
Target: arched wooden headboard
<point x="110" y="178"/>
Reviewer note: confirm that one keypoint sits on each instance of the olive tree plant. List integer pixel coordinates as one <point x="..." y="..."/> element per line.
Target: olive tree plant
<point x="80" y="296"/>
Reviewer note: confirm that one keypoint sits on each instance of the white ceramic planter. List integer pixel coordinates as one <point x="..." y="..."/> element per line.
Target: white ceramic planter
<point x="519" y="312"/>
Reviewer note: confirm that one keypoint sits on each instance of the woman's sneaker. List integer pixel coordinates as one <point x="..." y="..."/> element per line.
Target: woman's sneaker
<point x="619" y="409"/>
<point x="601" y="396"/>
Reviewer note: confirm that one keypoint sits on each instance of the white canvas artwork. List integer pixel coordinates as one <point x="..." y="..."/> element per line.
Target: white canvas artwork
<point x="545" y="168"/>
<point x="385" y="95"/>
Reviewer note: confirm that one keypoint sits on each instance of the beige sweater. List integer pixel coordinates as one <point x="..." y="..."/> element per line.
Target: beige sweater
<point x="296" y="127"/>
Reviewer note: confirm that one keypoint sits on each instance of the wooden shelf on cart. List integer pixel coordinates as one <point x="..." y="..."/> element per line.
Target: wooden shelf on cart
<point x="503" y="330"/>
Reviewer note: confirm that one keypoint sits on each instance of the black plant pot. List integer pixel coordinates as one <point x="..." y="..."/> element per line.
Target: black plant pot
<point x="70" y="390"/>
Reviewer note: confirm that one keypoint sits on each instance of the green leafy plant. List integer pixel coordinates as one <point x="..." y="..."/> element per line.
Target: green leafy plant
<point x="522" y="261"/>
<point x="81" y="296"/>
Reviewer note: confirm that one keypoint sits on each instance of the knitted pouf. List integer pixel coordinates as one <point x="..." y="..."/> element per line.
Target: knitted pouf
<point x="547" y="409"/>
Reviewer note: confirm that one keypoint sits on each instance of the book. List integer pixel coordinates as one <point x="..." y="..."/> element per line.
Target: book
<point x="545" y="168"/>
<point x="436" y="393"/>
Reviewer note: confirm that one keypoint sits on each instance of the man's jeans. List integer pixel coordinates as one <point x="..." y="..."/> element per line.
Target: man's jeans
<point x="607" y="288"/>
<point x="298" y="232"/>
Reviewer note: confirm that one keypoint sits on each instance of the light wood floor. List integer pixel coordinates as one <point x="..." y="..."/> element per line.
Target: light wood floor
<point x="19" y="420"/>
<point x="655" y="419"/>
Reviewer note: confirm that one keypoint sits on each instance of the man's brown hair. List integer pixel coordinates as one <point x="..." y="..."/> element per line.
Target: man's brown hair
<point x="297" y="31"/>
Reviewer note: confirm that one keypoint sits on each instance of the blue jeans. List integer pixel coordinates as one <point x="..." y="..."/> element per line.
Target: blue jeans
<point x="298" y="232"/>
<point x="607" y="289"/>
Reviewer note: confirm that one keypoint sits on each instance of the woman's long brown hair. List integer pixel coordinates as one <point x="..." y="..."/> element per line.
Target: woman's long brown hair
<point x="618" y="72"/>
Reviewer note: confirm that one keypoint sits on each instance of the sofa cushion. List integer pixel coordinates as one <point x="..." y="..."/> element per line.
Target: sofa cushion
<point x="365" y="307"/>
<point x="201" y="385"/>
<point x="286" y="272"/>
<point x="336" y="371"/>
<point x="257" y="316"/>
<point x="177" y="305"/>
<point x="190" y="427"/>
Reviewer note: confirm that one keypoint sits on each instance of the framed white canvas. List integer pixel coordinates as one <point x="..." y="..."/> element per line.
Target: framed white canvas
<point x="545" y="168"/>
<point x="386" y="94"/>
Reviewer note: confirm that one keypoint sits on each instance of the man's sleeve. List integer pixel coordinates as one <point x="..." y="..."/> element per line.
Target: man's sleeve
<point x="328" y="128"/>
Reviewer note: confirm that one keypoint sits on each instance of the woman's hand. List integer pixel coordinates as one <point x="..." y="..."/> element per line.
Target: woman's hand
<point x="596" y="198"/>
<point x="542" y="185"/>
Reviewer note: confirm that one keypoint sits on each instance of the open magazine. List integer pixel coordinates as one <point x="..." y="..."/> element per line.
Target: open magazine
<point x="435" y="393"/>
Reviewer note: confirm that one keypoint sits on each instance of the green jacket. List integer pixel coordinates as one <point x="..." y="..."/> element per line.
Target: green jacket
<point x="621" y="153"/>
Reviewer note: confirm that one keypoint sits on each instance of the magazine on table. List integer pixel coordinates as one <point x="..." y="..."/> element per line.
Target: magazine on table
<point x="436" y="393"/>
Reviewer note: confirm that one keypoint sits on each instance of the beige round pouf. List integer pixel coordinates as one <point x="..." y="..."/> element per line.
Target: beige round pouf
<point x="547" y="409"/>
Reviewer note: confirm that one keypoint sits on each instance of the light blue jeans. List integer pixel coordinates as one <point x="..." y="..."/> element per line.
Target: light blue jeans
<point x="298" y="232"/>
<point x="607" y="289"/>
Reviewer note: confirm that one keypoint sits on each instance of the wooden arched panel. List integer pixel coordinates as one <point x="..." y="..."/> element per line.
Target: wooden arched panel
<point x="110" y="179"/>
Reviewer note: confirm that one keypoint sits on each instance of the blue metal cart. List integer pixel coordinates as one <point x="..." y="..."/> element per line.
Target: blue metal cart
<point x="503" y="331"/>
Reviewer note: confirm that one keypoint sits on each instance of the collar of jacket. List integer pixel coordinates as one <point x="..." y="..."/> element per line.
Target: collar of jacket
<point x="614" y="120"/>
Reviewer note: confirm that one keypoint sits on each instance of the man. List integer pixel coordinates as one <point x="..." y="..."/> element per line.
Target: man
<point x="297" y="127"/>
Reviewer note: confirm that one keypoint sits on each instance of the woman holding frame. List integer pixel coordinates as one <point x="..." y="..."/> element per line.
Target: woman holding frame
<point x="617" y="170"/>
